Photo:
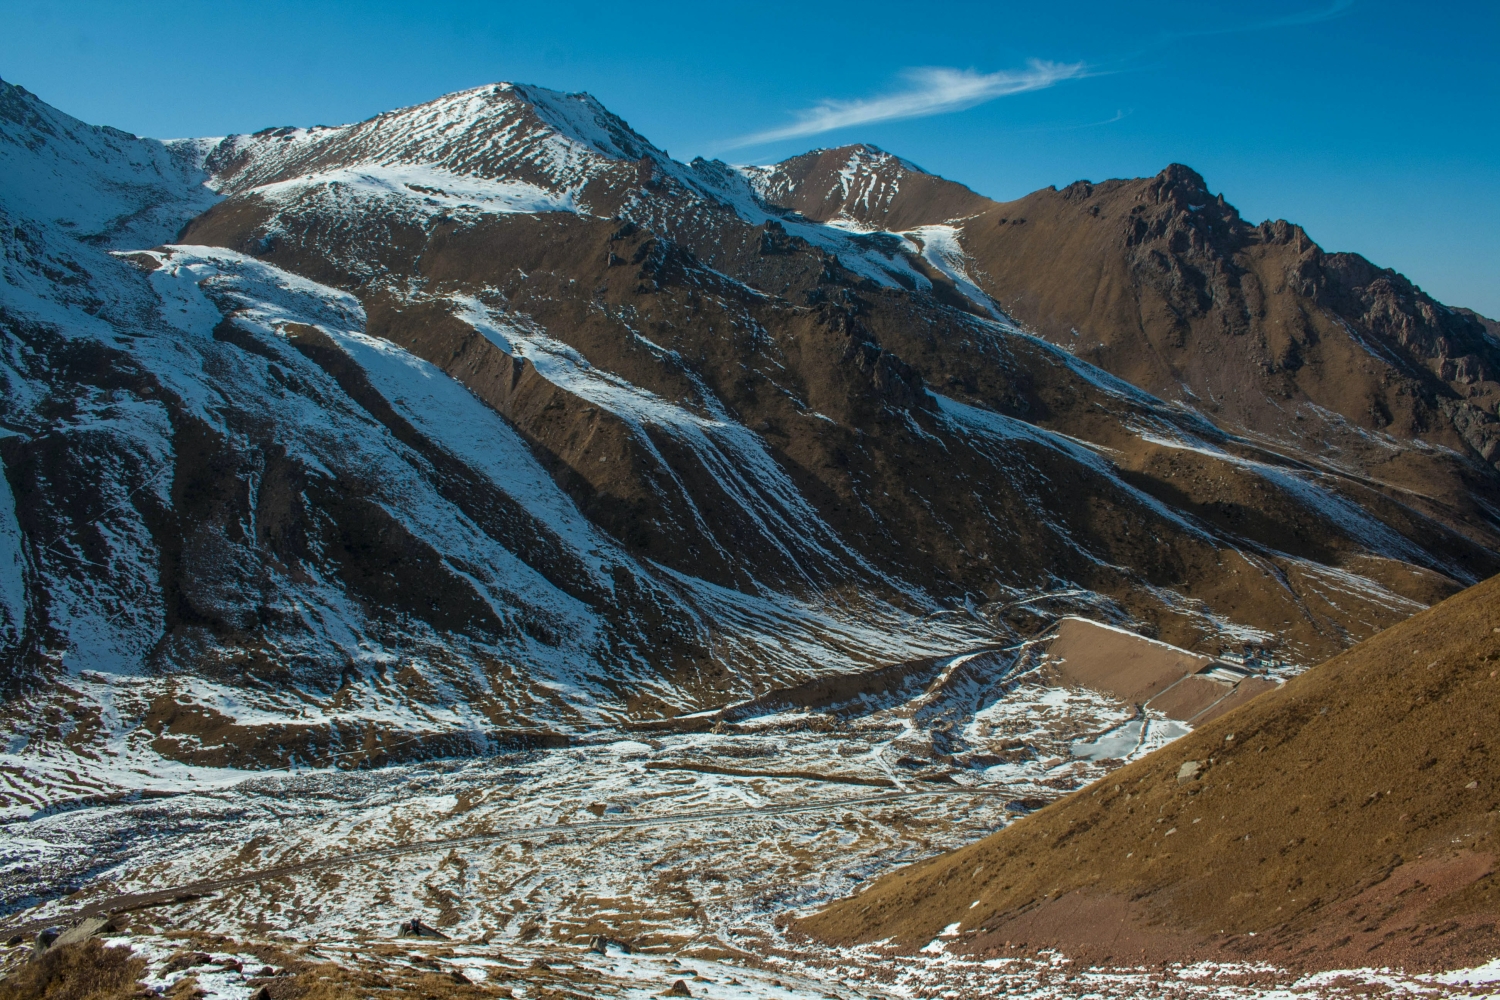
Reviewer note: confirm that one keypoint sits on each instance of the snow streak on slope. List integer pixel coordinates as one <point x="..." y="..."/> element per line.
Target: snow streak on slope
<point x="421" y="190"/>
<point x="583" y="119"/>
<point x="995" y="427"/>
<point x="940" y="248"/>
<point x="12" y="572"/>
<point x="1305" y="488"/>
<point x="734" y="456"/>
<point x="111" y="614"/>
<point x="446" y="412"/>
<point x="1156" y="423"/>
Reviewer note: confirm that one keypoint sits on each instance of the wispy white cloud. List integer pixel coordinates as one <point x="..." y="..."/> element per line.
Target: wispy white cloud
<point x="1118" y="116"/>
<point x="929" y="91"/>
<point x="1313" y="15"/>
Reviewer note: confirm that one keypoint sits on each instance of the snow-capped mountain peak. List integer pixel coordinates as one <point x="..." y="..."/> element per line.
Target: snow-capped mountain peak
<point x="861" y="186"/>
<point x="499" y="132"/>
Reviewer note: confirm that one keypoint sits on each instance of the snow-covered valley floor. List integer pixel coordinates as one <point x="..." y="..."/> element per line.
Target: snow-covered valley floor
<point x="675" y="856"/>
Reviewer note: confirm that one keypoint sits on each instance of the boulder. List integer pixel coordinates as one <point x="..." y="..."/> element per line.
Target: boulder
<point x="414" y="928"/>
<point x="185" y="960"/>
<point x="599" y="945"/>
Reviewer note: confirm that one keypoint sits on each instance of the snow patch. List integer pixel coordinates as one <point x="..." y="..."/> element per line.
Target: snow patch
<point x="424" y="189"/>
<point x="939" y="246"/>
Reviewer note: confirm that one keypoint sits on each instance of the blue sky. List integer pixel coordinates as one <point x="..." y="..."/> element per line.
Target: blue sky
<point x="1374" y="124"/>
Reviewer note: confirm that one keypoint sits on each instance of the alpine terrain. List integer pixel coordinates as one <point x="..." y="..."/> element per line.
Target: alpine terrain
<point x="474" y="521"/>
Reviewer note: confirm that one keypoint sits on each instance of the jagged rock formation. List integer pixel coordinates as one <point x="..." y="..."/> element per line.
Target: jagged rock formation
<point x="486" y="417"/>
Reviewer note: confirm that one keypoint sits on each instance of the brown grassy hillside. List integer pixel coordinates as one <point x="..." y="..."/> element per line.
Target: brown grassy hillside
<point x="1348" y="818"/>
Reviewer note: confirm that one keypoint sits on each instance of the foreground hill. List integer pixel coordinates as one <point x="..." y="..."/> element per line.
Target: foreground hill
<point x="1347" y="819"/>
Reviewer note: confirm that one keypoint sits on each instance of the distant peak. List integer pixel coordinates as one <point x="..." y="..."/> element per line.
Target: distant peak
<point x="859" y="155"/>
<point x="582" y="118"/>
<point x="864" y="152"/>
<point x="578" y="118"/>
<point x="859" y="149"/>
<point x="1180" y="173"/>
<point x="1181" y="179"/>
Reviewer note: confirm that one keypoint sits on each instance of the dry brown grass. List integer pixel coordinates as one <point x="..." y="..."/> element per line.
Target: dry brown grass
<point x="86" y="971"/>
<point x="1349" y="817"/>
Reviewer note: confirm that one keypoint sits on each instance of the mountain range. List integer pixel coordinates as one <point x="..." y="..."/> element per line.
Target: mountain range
<point x="486" y="420"/>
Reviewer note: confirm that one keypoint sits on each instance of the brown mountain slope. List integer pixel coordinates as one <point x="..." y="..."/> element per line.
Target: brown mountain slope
<point x="1164" y="284"/>
<point x="1319" y="356"/>
<point x="1346" y="819"/>
<point x="914" y="498"/>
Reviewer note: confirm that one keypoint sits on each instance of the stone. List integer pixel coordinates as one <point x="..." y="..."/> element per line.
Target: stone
<point x="678" y="989"/>
<point x="1188" y="771"/>
<point x="186" y="960"/>
<point x="600" y="944"/>
<point x="44" y="941"/>
<point x="414" y="928"/>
